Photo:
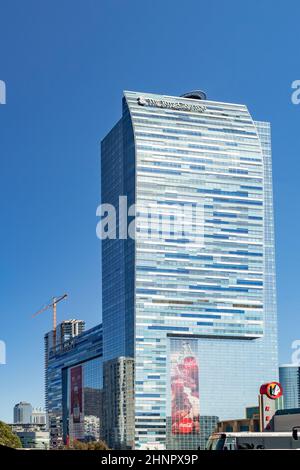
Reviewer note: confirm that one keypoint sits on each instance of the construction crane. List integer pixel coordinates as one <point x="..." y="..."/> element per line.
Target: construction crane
<point x="52" y="305"/>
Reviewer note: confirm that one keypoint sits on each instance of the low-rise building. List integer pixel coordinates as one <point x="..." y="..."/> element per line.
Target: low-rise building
<point x="248" y="424"/>
<point x="34" y="439"/>
<point x="32" y="435"/>
<point x="285" y="420"/>
<point x="239" y="425"/>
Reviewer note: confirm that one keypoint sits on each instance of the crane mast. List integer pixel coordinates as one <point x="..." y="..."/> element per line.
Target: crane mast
<point x="52" y="305"/>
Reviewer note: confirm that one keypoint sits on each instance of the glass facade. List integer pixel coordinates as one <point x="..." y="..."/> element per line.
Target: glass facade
<point x="23" y="413"/>
<point x="289" y="377"/>
<point x="183" y="421"/>
<point x="117" y="178"/>
<point x="118" y="403"/>
<point x="84" y="399"/>
<point x="85" y="351"/>
<point x="215" y="293"/>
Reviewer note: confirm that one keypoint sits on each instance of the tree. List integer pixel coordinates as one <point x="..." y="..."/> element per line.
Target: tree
<point x="93" y="445"/>
<point x="8" y="438"/>
<point x="98" y="445"/>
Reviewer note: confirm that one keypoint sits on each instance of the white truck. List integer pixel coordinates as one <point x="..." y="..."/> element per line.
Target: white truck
<point x="252" y="441"/>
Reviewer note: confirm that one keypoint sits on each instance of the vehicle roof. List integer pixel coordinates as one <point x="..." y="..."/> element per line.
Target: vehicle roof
<point x="251" y="434"/>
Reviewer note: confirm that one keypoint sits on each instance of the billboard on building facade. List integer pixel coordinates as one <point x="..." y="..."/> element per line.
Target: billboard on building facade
<point x="184" y="385"/>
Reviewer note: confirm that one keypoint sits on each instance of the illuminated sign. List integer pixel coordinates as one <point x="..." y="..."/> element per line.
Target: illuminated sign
<point x="273" y="390"/>
<point x="180" y="106"/>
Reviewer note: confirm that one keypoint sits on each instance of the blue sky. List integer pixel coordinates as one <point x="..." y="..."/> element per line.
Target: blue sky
<point x="65" y="65"/>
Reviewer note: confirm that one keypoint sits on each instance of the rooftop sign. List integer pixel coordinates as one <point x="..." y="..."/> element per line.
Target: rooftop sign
<point x="180" y="106"/>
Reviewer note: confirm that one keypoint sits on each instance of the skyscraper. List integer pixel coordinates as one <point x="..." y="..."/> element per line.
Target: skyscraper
<point x="118" y="403"/>
<point x="289" y="377"/>
<point x="190" y="294"/>
<point x="74" y="386"/>
<point x="22" y="413"/>
<point x="39" y="416"/>
<point x="65" y="332"/>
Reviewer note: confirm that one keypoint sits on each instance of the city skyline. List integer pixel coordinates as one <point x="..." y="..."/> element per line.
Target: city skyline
<point x="53" y="216"/>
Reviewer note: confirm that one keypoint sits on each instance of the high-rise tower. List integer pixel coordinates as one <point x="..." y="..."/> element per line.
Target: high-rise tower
<point x="193" y="303"/>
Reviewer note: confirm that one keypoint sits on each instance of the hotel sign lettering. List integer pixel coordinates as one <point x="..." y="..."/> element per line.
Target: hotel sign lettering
<point x="180" y="106"/>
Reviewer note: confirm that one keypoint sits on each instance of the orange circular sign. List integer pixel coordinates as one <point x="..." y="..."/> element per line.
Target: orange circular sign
<point x="273" y="390"/>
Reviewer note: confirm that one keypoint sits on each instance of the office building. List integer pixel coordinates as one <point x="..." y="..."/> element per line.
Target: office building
<point x="92" y="431"/>
<point x="34" y="439"/>
<point x="289" y="377"/>
<point x="118" y="403"/>
<point x="65" y="331"/>
<point x="190" y="292"/>
<point x="73" y="387"/>
<point x="22" y="413"/>
<point x="18" y="427"/>
<point x="39" y="416"/>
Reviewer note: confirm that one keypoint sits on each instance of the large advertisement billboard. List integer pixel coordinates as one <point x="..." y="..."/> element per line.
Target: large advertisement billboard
<point x="184" y="383"/>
